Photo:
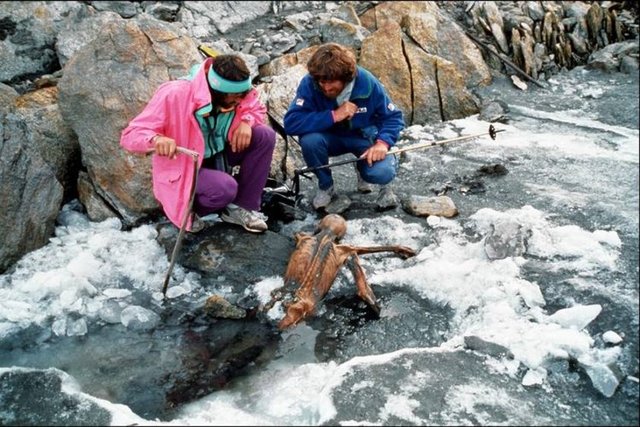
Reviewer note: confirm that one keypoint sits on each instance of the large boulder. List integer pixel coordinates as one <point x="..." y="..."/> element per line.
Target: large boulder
<point x="435" y="33"/>
<point x="427" y="88"/>
<point x="39" y="167"/>
<point x="51" y="135"/>
<point x="277" y="95"/>
<point x="382" y="54"/>
<point x="208" y="19"/>
<point x="39" y="163"/>
<point x="46" y="397"/>
<point x="105" y="85"/>
<point x="30" y="194"/>
<point x="438" y="35"/>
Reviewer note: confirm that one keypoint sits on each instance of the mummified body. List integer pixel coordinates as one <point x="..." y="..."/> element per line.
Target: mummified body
<point x="314" y="265"/>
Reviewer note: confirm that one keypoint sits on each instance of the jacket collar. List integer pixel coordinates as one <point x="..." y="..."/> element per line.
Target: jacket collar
<point x="201" y="94"/>
<point x="362" y="87"/>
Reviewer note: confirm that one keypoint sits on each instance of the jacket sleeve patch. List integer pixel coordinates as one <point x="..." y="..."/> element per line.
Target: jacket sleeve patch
<point x="391" y="106"/>
<point x="299" y="102"/>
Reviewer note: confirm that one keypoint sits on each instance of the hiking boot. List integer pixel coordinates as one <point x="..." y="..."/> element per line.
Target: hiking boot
<point x="249" y="220"/>
<point x="323" y="198"/>
<point x="363" y="186"/>
<point x="386" y="198"/>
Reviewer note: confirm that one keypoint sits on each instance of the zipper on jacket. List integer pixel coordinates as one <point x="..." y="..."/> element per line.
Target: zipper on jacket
<point x="211" y="133"/>
<point x="218" y="159"/>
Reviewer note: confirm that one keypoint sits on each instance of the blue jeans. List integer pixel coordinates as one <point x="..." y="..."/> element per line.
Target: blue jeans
<point x="317" y="147"/>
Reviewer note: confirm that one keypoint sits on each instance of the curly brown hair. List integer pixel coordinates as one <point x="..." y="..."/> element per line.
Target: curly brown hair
<point x="332" y="62"/>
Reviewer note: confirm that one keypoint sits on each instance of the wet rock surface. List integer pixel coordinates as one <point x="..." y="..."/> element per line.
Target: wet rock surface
<point x="54" y="404"/>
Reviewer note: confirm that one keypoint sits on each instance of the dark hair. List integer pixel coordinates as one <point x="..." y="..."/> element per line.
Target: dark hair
<point x="230" y="67"/>
<point x="332" y="62"/>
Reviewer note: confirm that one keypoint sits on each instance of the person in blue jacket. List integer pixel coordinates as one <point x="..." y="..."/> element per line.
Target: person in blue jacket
<point x="342" y="108"/>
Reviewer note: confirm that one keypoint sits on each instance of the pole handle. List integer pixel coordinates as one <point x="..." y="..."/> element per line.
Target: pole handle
<point x="179" y="149"/>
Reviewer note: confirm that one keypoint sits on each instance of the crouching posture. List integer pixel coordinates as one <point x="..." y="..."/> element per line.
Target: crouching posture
<point x="313" y="267"/>
<point x="215" y="112"/>
<point x="342" y="108"/>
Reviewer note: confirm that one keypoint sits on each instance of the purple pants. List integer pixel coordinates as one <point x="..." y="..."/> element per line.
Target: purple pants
<point x="216" y="189"/>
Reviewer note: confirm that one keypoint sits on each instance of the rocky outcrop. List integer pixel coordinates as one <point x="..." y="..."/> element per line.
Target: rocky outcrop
<point x="39" y="163"/>
<point x="435" y="33"/>
<point x="542" y="38"/>
<point x="391" y="68"/>
<point x="429" y="54"/>
<point x="51" y="135"/>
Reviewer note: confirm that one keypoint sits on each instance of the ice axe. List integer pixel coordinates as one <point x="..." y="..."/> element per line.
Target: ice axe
<point x="187" y="212"/>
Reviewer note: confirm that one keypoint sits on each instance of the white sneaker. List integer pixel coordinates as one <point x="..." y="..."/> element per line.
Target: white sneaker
<point x="249" y="220"/>
<point x="323" y="198"/>
<point x="363" y="186"/>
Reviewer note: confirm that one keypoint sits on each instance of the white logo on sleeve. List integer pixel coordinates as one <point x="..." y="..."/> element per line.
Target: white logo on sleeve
<point x="391" y="106"/>
<point x="299" y="102"/>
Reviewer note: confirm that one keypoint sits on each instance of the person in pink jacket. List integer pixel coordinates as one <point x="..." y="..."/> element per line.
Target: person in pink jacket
<point x="216" y="113"/>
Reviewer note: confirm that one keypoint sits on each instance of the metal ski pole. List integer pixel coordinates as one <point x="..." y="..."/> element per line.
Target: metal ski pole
<point x="492" y="133"/>
<point x="176" y="248"/>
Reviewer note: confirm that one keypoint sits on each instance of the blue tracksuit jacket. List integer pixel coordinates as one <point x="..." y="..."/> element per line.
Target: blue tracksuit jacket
<point x="377" y="116"/>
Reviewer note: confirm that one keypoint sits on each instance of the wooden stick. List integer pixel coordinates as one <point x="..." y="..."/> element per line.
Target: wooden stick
<point x="505" y="60"/>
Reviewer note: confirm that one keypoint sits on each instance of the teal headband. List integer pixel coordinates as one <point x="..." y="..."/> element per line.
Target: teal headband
<point x="227" y="86"/>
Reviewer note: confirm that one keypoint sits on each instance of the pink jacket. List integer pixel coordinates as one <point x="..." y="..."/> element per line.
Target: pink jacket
<point x="170" y="112"/>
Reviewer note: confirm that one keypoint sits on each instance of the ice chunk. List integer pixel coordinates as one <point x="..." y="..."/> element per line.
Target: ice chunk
<point x="76" y="327"/>
<point x="59" y="327"/>
<point x="116" y="293"/>
<point x="534" y="377"/>
<point x="71" y="218"/>
<point x="605" y="378"/>
<point x="69" y="327"/>
<point x="110" y="312"/>
<point x="506" y="238"/>
<point x="611" y="337"/>
<point x="531" y="294"/>
<point x="600" y="365"/>
<point x="84" y="265"/>
<point x="576" y="317"/>
<point x="176" y="291"/>
<point x="139" y="318"/>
